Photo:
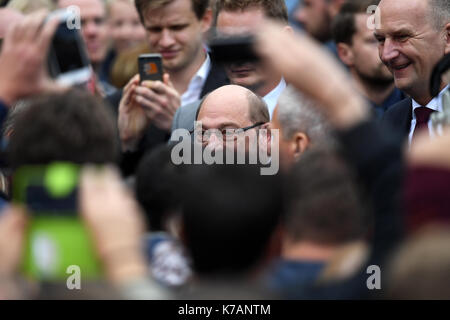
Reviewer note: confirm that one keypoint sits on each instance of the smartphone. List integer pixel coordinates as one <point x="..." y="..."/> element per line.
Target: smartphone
<point x="233" y="49"/>
<point x="150" y="67"/>
<point x="68" y="60"/>
<point x="56" y="238"/>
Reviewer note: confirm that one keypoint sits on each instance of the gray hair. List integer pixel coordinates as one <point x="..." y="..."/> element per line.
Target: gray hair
<point x="440" y="13"/>
<point x="298" y="113"/>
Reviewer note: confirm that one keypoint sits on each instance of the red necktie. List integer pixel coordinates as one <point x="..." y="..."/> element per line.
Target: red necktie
<point x="422" y="117"/>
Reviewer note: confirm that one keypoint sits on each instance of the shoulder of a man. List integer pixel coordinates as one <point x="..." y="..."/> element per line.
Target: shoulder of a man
<point x="185" y="116"/>
<point x="400" y="110"/>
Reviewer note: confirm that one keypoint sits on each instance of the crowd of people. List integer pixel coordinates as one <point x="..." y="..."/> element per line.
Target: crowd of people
<point x="319" y="170"/>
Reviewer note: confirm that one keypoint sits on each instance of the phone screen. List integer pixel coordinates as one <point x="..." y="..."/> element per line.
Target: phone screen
<point x="150" y="67"/>
<point x="56" y="237"/>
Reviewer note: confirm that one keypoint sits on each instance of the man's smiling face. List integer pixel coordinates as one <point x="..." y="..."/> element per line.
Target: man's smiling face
<point x="409" y="45"/>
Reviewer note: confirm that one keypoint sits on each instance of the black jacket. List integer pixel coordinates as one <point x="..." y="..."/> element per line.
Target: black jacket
<point x="399" y="117"/>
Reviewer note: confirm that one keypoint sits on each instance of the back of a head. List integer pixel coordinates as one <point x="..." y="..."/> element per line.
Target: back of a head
<point x="274" y="9"/>
<point x="72" y="126"/>
<point x="229" y="214"/>
<point x="323" y="204"/>
<point x="157" y="186"/>
<point x="298" y="113"/>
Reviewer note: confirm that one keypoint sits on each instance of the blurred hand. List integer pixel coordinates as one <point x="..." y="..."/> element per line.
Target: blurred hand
<point x="132" y="118"/>
<point x="12" y="235"/>
<point x="151" y="102"/>
<point x="115" y="222"/>
<point x="23" y="59"/>
<point x="313" y="71"/>
<point x="430" y="152"/>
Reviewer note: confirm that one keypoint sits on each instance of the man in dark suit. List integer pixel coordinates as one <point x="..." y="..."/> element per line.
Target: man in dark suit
<point x="232" y="18"/>
<point x="413" y="36"/>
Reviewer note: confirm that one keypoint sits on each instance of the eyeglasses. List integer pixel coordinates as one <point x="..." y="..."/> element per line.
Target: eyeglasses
<point x="229" y="134"/>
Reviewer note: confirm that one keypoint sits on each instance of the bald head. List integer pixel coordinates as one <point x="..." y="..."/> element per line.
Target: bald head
<point x="7" y="18"/>
<point x="234" y="105"/>
<point x="231" y="114"/>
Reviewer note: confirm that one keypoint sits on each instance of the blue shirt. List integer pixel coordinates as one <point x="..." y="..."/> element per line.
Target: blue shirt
<point x="286" y="273"/>
<point x="393" y="98"/>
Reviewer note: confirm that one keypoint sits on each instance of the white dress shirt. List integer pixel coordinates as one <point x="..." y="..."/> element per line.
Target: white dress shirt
<point x="435" y="104"/>
<point x="271" y="98"/>
<point x="196" y="84"/>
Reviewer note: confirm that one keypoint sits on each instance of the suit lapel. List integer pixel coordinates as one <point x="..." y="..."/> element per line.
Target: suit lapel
<point x="406" y="125"/>
<point x="216" y="78"/>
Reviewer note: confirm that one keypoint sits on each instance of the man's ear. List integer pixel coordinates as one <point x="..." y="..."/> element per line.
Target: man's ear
<point x="345" y="53"/>
<point x="266" y="139"/>
<point x="447" y="38"/>
<point x="300" y="143"/>
<point x="207" y="20"/>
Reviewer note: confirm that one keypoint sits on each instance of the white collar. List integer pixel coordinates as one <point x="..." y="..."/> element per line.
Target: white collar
<point x="435" y="104"/>
<point x="271" y="98"/>
<point x="203" y="72"/>
<point x="197" y="82"/>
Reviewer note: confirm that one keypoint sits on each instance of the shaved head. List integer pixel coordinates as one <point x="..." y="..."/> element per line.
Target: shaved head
<point x="237" y="102"/>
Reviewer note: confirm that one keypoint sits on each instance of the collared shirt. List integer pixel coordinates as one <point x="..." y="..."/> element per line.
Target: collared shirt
<point x="195" y="87"/>
<point x="435" y="104"/>
<point x="271" y="98"/>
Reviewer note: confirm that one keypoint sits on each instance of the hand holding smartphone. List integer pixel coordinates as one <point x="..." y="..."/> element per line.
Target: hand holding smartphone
<point x="56" y="238"/>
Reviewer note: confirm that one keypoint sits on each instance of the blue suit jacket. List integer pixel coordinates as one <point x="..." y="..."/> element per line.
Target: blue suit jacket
<point x="399" y="117"/>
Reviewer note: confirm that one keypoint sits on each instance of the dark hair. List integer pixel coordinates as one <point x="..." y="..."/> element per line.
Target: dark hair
<point x="323" y="203"/>
<point x="275" y="9"/>
<point x="157" y="186"/>
<point x="198" y="6"/>
<point x="72" y="126"/>
<point x="229" y="214"/>
<point x="343" y="27"/>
